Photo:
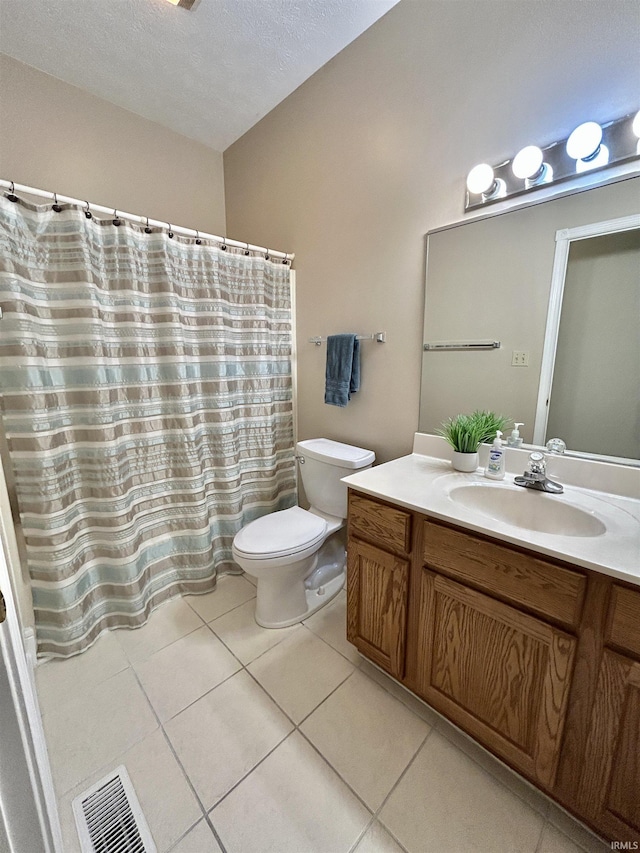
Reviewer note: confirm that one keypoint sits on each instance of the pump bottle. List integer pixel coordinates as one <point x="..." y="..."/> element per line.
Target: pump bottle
<point x="495" y="465"/>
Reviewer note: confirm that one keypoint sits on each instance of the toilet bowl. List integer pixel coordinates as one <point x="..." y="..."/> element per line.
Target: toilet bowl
<point x="297" y="556"/>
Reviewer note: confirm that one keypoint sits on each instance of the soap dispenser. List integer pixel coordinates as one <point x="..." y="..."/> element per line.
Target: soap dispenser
<point x="514" y="439"/>
<point x="495" y="465"/>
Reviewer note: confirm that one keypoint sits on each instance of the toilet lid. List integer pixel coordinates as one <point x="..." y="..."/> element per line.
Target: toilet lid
<point x="280" y="533"/>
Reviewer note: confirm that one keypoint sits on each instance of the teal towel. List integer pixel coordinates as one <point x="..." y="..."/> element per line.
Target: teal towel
<point x="342" y="377"/>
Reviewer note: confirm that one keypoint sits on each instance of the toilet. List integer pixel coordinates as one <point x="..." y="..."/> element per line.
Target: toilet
<point x="298" y="556"/>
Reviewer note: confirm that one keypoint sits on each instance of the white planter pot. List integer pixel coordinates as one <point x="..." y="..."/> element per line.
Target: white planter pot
<point x="467" y="462"/>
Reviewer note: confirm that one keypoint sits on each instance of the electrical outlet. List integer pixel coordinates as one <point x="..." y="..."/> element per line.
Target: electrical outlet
<point x="519" y="358"/>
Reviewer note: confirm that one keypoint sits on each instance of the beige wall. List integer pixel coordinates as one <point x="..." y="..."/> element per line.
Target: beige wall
<point x="56" y="137"/>
<point x="361" y="161"/>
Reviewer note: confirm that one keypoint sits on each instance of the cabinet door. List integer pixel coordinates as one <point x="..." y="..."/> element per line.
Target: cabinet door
<point x="610" y="783"/>
<point x="377" y="587"/>
<point x="500" y="674"/>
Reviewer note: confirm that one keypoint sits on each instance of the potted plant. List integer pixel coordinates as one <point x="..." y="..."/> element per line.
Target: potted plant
<point x="465" y="434"/>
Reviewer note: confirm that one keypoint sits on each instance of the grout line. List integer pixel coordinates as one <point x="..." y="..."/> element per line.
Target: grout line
<point x="225" y="613"/>
<point x="321" y="703"/>
<point x="441" y="725"/>
<point x="444" y="724"/>
<point x="216" y="835"/>
<point x="333" y="769"/>
<point x="290" y="634"/>
<point x="356" y="665"/>
<point x="111" y="761"/>
<point x="249" y="772"/>
<point x="184" y="835"/>
<point x="398" y="781"/>
<point x="133" y="663"/>
<point x="198" y="698"/>
<point x="542" y="829"/>
<point x="185" y="774"/>
<point x="356" y="843"/>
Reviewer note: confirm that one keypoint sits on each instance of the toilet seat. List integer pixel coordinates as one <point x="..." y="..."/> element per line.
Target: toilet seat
<point x="286" y="533"/>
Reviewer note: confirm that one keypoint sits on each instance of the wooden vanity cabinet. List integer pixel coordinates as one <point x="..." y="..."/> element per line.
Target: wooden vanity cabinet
<point x="610" y="778"/>
<point x="536" y="659"/>
<point x="378" y="581"/>
<point x="499" y="672"/>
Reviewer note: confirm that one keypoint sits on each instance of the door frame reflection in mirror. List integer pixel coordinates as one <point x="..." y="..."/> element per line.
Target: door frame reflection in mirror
<point x="564" y="238"/>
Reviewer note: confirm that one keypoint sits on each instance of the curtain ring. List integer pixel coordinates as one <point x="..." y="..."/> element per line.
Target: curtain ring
<point x="246" y="251"/>
<point x="87" y="212"/>
<point x="147" y="227"/>
<point x="198" y="240"/>
<point x="267" y="257"/>
<point x="170" y="232"/>
<point x="286" y="259"/>
<point x="223" y="245"/>
<point x="12" y="196"/>
<point x="116" y="219"/>
<point x="55" y="206"/>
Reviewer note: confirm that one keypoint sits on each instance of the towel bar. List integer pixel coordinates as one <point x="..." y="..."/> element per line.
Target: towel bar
<point x="379" y="337"/>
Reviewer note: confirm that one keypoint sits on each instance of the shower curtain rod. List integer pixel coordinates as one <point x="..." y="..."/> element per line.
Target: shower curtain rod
<point x="143" y="220"/>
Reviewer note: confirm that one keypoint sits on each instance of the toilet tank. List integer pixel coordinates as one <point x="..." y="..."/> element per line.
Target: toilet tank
<point x="323" y="463"/>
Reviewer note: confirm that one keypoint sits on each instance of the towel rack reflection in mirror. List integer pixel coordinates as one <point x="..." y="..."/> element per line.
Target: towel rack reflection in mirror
<point x="468" y="345"/>
<point x="380" y="337"/>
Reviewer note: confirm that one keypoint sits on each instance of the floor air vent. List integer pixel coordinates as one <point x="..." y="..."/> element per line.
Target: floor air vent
<point x="109" y="817"/>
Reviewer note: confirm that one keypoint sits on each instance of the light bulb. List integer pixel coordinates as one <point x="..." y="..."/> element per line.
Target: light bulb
<point x="584" y="141"/>
<point x="635" y="127"/>
<point x="527" y="162"/>
<point x="480" y="179"/>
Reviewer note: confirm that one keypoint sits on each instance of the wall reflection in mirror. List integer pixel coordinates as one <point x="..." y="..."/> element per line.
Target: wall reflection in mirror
<point x="492" y="278"/>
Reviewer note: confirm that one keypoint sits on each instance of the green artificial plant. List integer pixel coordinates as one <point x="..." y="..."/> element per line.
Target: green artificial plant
<point x="465" y="433"/>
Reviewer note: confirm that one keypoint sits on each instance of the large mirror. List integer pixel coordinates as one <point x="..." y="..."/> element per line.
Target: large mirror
<point x="490" y="279"/>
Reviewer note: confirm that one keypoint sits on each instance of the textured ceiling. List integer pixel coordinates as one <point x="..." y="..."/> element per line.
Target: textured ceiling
<point x="210" y="73"/>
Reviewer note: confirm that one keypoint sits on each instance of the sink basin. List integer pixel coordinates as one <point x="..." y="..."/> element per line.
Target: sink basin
<point x="528" y="509"/>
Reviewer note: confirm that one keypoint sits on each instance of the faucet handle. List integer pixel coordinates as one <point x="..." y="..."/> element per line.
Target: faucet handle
<point x="556" y="445"/>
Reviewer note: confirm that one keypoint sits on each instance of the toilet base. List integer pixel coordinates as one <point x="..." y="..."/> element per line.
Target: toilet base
<point x="316" y="598"/>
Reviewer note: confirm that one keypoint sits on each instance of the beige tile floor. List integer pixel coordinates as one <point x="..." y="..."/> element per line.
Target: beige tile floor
<point x="244" y="740"/>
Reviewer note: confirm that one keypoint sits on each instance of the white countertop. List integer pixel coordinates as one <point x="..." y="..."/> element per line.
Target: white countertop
<point x="424" y="483"/>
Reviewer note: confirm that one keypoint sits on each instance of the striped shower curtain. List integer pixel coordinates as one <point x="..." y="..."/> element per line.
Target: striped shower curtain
<point x="147" y="403"/>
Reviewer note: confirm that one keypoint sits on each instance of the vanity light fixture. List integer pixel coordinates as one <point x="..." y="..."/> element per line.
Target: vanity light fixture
<point x="589" y="146"/>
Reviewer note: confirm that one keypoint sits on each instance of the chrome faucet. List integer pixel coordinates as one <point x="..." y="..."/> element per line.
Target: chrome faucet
<point x="535" y="477"/>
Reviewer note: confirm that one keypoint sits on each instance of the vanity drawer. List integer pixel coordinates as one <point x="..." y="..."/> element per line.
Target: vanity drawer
<point x="624" y="619"/>
<point x="547" y="588"/>
<point x="389" y="526"/>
